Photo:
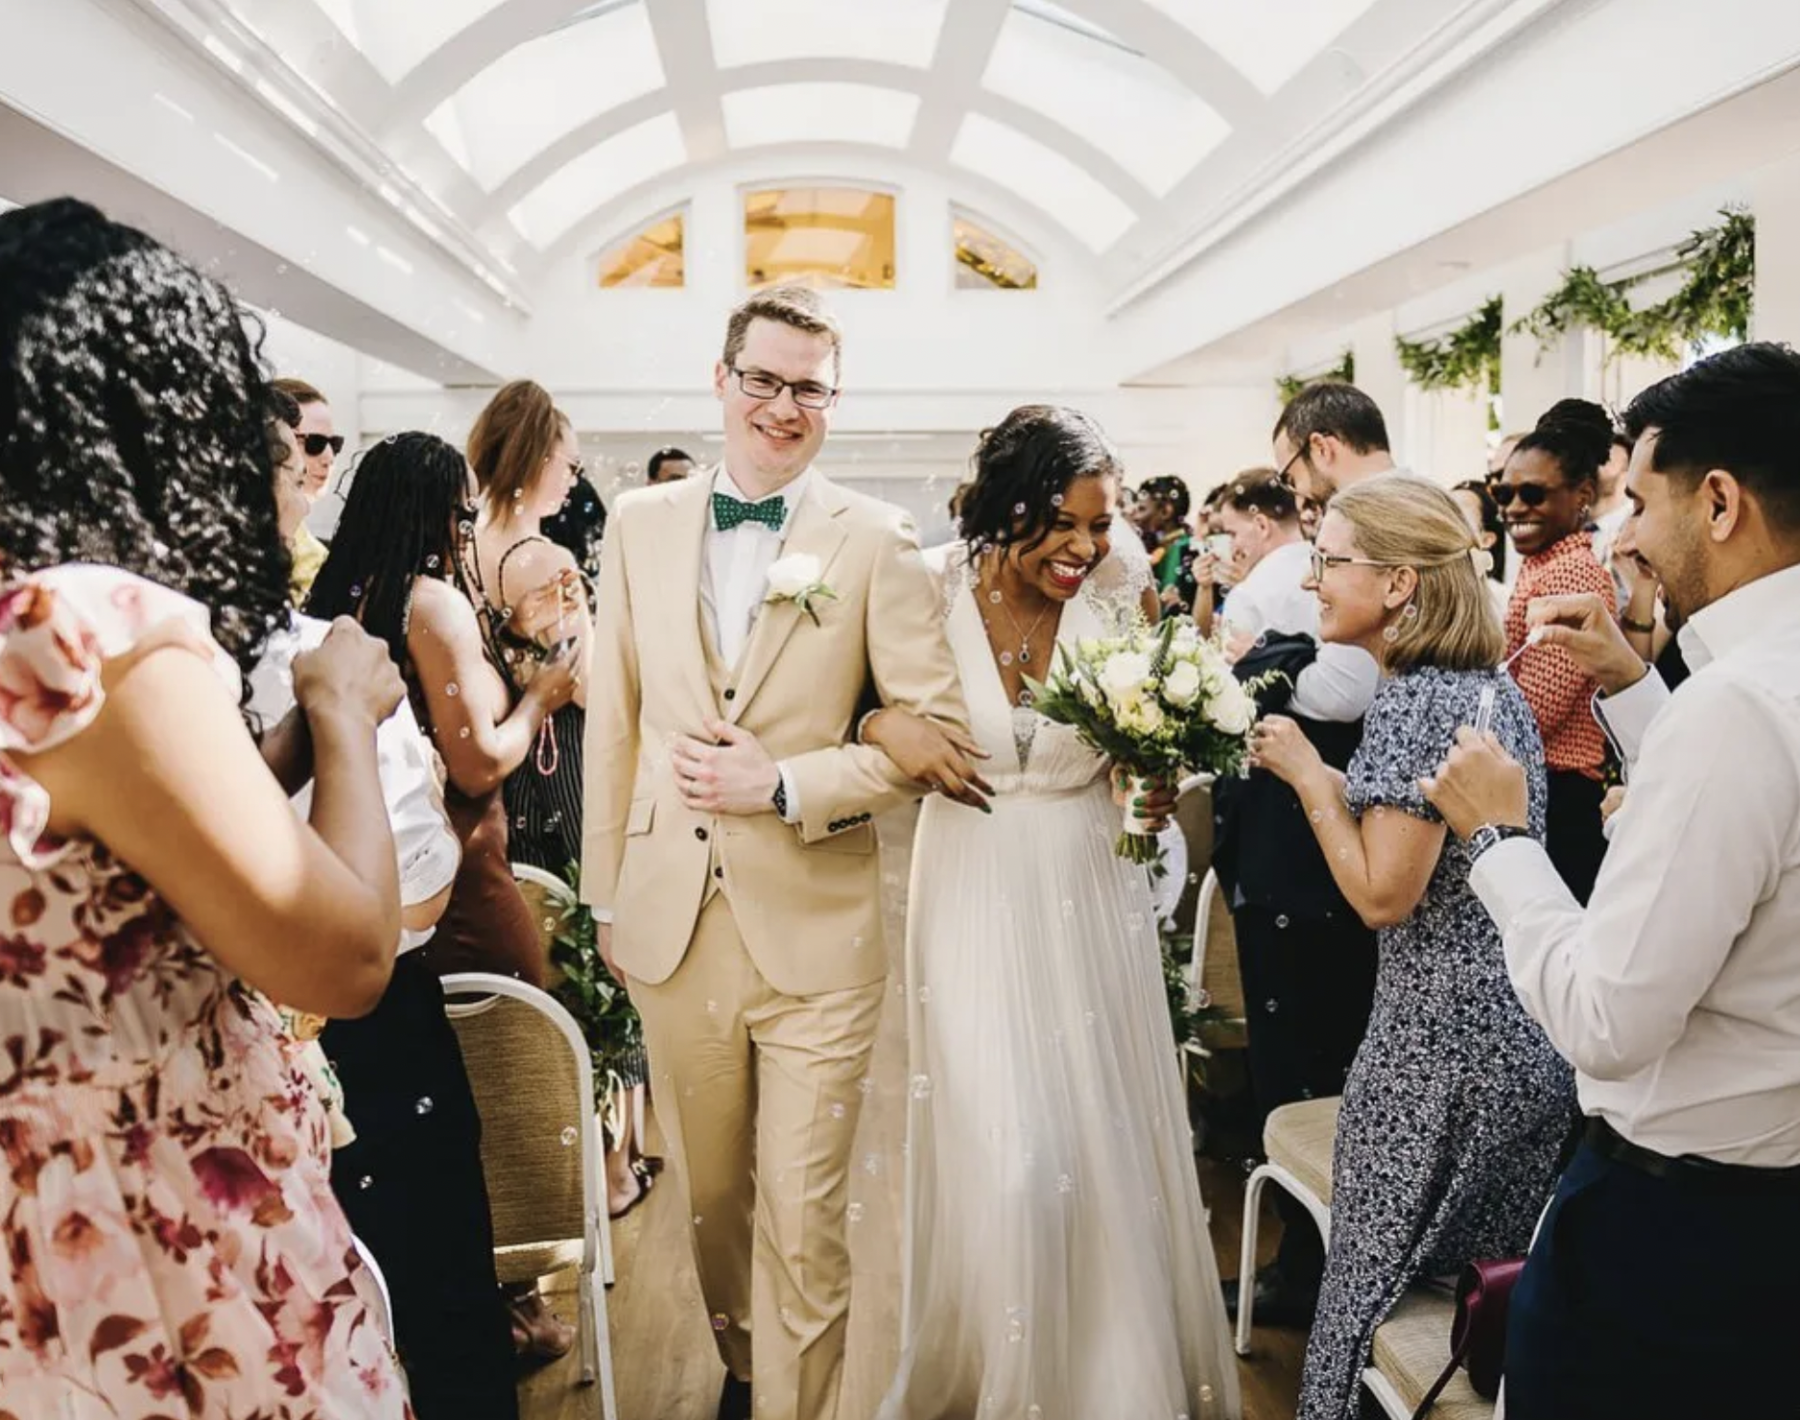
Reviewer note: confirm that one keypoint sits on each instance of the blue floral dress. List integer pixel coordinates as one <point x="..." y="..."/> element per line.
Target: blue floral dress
<point x="1457" y="1105"/>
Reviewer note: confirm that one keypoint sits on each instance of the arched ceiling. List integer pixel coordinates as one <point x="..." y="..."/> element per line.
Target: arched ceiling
<point x="1120" y="124"/>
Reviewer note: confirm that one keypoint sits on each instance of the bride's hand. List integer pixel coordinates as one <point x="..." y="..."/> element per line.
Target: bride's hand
<point x="1155" y="804"/>
<point x="1277" y="745"/>
<point x="931" y="754"/>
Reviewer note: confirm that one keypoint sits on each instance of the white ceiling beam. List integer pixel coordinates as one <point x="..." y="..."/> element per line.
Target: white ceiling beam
<point x="964" y="47"/>
<point x="1166" y="41"/>
<point x="684" y="39"/>
<point x="926" y="83"/>
<point x="467" y="52"/>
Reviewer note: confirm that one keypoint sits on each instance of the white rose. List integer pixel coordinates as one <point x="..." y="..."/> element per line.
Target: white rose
<point x="791" y="576"/>
<point x="1124" y="673"/>
<point x="1141" y="717"/>
<point x="1182" y="685"/>
<point x="1233" y="710"/>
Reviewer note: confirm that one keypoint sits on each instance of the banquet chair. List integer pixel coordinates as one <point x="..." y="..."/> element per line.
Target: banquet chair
<point x="548" y="897"/>
<point x="1297" y="1143"/>
<point x="540" y="1146"/>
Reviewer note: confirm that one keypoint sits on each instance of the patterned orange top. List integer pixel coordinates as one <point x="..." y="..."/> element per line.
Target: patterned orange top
<point x="1559" y="693"/>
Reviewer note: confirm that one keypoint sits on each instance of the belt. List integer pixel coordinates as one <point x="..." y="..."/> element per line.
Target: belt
<point x="1606" y="1141"/>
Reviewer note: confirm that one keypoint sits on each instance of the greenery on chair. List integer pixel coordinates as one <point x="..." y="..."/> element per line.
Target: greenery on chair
<point x="1188" y="1015"/>
<point x="586" y="989"/>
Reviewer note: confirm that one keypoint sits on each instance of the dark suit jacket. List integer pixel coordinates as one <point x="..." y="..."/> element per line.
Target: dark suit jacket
<point x="1265" y="852"/>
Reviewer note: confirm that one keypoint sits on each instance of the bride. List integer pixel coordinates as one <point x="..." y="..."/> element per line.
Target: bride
<point x="1057" y="1259"/>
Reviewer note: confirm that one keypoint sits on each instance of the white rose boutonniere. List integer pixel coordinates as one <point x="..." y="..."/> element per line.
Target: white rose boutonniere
<point x="799" y="579"/>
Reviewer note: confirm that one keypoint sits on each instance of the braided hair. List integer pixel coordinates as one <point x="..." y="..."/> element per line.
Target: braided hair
<point x="400" y="523"/>
<point x="1023" y="468"/>
<point x="1577" y="435"/>
<point x="133" y="420"/>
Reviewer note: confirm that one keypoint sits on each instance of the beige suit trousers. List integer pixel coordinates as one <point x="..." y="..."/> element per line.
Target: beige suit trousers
<point x="760" y="1094"/>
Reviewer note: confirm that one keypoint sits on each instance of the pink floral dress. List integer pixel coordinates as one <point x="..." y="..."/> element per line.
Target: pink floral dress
<point x="172" y="1246"/>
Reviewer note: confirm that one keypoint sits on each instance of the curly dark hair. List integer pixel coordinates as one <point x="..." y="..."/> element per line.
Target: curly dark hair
<point x="1577" y="435"/>
<point x="1024" y="466"/>
<point x="133" y="409"/>
<point x="400" y="522"/>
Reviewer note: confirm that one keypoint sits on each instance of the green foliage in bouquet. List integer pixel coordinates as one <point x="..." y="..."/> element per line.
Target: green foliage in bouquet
<point x="608" y="1020"/>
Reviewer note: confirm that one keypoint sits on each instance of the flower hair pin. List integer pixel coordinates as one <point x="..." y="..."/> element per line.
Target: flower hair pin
<point x="1483" y="560"/>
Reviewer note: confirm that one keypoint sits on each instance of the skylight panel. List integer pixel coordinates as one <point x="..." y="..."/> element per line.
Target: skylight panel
<point x="548" y="87"/>
<point x="1045" y="178"/>
<point x="1268" y="43"/>
<point x="814" y="113"/>
<point x="1150" y="124"/>
<point x="589" y="182"/>
<point x="765" y="31"/>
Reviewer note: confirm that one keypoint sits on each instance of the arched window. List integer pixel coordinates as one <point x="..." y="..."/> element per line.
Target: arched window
<point x="652" y="258"/>
<point x="986" y="261"/>
<point x="833" y="238"/>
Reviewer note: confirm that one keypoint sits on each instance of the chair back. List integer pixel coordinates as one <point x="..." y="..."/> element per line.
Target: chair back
<point x="532" y="1079"/>
<point x="545" y="895"/>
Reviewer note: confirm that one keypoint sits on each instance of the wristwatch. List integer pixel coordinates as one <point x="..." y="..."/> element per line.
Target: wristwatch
<point x="1490" y="834"/>
<point x="780" y="800"/>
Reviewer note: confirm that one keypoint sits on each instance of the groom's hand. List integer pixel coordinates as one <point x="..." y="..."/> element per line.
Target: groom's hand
<point x="735" y="775"/>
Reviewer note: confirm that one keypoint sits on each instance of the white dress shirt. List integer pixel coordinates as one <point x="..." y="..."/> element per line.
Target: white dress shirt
<point x="1272" y="597"/>
<point x="1676" y="994"/>
<point x="734" y="583"/>
<point x="1340" y="685"/>
<point x="424" y="842"/>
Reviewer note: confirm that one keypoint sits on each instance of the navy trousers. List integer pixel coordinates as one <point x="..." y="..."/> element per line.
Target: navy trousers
<point x="1657" y="1297"/>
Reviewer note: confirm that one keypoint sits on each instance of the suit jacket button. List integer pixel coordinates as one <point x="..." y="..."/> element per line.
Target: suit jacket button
<point x="731" y="695"/>
<point x="719" y="872"/>
<point x="700" y="833"/>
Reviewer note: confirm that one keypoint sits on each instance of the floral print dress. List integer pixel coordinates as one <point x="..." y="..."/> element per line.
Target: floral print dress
<point x="172" y="1246"/>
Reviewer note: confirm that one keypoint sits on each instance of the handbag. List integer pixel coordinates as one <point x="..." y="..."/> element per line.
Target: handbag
<point x="1478" y="1333"/>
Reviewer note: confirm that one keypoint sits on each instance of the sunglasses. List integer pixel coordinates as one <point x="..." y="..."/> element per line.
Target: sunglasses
<point x="316" y="444"/>
<point x="1530" y="495"/>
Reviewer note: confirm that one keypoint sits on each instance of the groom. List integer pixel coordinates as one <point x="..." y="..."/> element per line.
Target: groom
<point x="743" y="614"/>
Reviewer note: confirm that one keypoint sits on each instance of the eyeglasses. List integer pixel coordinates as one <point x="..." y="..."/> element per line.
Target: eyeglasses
<point x="1530" y="495"/>
<point x="1323" y="562"/>
<point x="808" y="394"/>
<point x="316" y="444"/>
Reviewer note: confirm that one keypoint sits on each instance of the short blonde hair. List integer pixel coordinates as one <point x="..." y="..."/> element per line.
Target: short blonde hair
<point x="1400" y="520"/>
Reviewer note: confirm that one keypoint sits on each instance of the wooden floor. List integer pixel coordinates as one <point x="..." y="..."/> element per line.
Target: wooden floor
<point x="667" y="1368"/>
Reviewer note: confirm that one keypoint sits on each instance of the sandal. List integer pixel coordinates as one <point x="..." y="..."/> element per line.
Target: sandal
<point x="644" y="1181"/>
<point x="539" y="1334"/>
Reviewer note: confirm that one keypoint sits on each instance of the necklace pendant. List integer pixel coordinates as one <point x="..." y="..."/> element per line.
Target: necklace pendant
<point x="1025" y="655"/>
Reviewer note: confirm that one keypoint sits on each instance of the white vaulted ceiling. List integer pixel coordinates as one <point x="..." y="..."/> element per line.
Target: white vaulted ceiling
<point x="529" y="126"/>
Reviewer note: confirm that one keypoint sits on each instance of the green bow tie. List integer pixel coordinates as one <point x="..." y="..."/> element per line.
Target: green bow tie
<point x="729" y="512"/>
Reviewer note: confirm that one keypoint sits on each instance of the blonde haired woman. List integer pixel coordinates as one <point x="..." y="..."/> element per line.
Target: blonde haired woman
<point x="1457" y="1105"/>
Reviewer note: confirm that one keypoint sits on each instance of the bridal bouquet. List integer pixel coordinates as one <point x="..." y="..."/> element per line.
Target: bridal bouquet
<point x="1160" y="702"/>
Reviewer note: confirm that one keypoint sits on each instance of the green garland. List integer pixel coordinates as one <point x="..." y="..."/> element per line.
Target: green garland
<point x="586" y="989"/>
<point x="1465" y="358"/>
<point x="1344" y="372"/>
<point x="1189" y="1018"/>
<point x="1715" y="298"/>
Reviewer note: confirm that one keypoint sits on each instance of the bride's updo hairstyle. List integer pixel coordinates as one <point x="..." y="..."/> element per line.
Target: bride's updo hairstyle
<point x="1023" y="469"/>
<point x="1399" y="520"/>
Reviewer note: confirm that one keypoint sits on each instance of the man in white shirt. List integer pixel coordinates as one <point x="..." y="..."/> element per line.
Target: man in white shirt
<point x="1271" y="559"/>
<point x="1661" y="1282"/>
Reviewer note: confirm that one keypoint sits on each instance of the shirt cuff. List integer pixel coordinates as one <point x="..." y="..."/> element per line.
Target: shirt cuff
<point x="1626" y="716"/>
<point x="790" y="793"/>
<point x="861" y="726"/>
<point x="1511" y="876"/>
<point x="602" y="915"/>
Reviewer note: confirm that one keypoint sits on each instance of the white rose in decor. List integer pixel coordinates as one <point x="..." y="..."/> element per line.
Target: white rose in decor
<point x="793" y="575"/>
<point x="1234" y="710"/>
<point x="1141" y="717"/>
<point x="1181" y="688"/>
<point x="1124" y="673"/>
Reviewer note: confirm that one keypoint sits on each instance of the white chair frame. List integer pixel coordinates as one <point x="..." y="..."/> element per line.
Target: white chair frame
<point x="527" y="873"/>
<point x="1321" y="1214"/>
<point x="594" y="1326"/>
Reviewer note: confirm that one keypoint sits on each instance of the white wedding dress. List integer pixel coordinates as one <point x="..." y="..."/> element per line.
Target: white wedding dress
<point x="1057" y="1259"/>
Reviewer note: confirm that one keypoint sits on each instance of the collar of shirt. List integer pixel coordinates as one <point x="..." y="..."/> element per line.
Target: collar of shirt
<point x="1573" y="545"/>
<point x="790" y="495"/>
<point x="1753" y="610"/>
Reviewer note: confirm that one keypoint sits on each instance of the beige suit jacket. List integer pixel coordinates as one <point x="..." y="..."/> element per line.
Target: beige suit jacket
<point x="806" y="896"/>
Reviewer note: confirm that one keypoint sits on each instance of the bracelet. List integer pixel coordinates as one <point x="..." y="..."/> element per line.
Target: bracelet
<point x="1643" y="628"/>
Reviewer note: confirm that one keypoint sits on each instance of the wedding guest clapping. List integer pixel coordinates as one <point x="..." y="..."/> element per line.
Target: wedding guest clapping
<point x="1456" y="1105"/>
<point x="171" y="1239"/>
<point x="1661" y="1280"/>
